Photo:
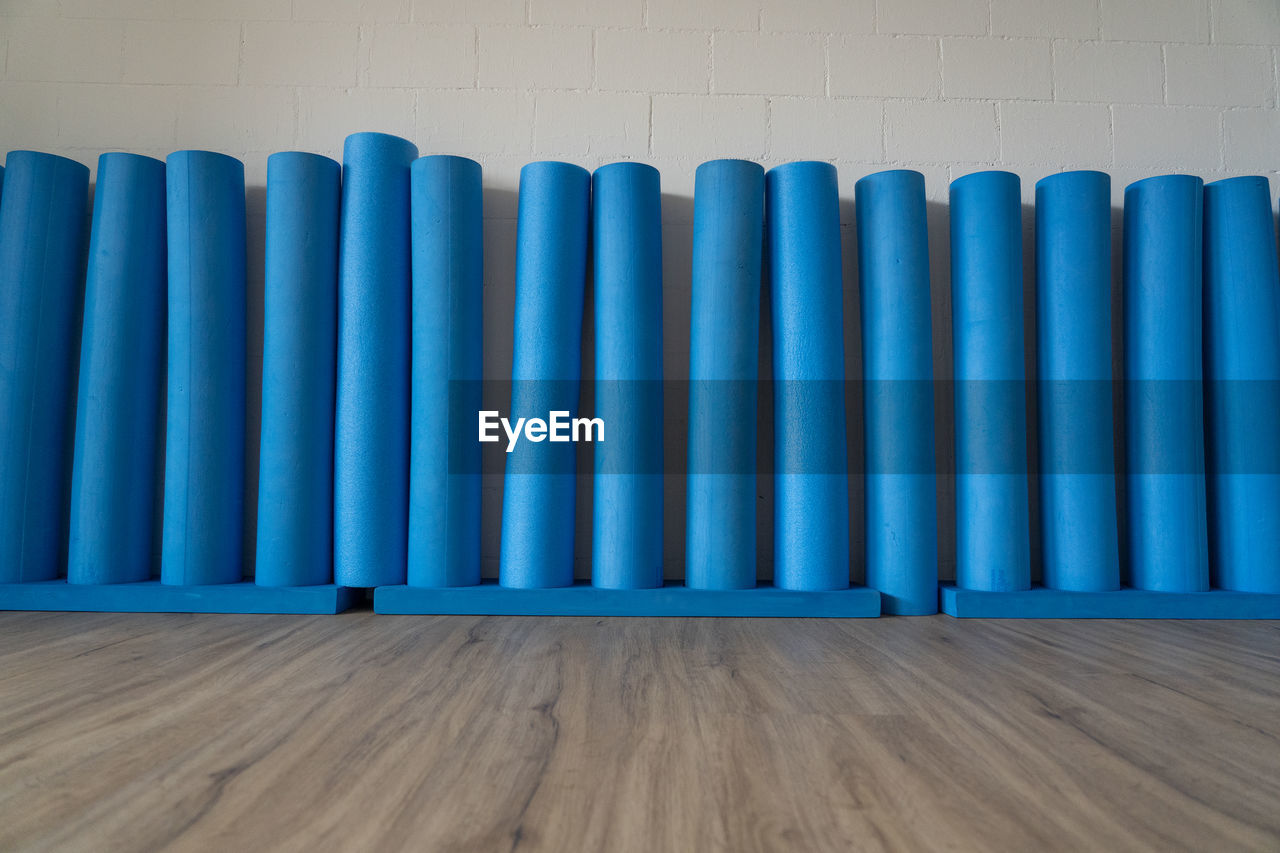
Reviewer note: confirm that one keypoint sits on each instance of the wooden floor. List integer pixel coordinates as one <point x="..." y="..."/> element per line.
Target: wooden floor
<point x="358" y="732"/>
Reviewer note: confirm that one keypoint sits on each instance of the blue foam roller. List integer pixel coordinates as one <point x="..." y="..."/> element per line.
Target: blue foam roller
<point x="811" y="479"/>
<point x="1080" y="548"/>
<point x="42" y="217"/>
<point x="626" y="531"/>
<point x="1043" y="603"/>
<point x="122" y="351"/>
<point x="584" y="599"/>
<point x="448" y="289"/>
<point x="1168" y="547"/>
<point x="546" y="369"/>
<point x="993" y="549"/>
<point x="1242" y="384"/>
<point x="371" y="428"/>
<point x="901" y="475"/>
<point x="204" y="446"/>
<point x="299" y="357"/>
<point x="724" y="344"/>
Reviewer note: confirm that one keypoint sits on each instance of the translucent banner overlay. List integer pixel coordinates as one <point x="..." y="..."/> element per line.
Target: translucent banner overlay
<point x="685" y="427"/>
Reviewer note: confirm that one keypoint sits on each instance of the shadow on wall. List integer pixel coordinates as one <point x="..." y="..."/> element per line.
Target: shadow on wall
<point x="499" y="301"/>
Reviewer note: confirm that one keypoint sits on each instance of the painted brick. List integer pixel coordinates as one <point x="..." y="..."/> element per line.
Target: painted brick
<point x="888" y="66"/>
<point x="181" y="52"/>
<point x="767" y="64"/>
<point x="709" y="127"/>
<point x="807" y="129"/>
<point x="1055" y="18"/>
<point x="299" y="54"/>
<point x="1107" y="72"/>
<point x="940" y="132"/>
<point x="1246" y="21"/>
<point x="327" y="116"/>
<point x="996" y="68"/>
<point x="1184" y="138"/>
<point x="535" y="58"/>
<point x="651" y="61"/>
<point x="156" y="10"/>
<point x="224" y="10"/>
<point x="66" y="51"/>
<point x="677" y="175"/>
<point x="351" y="11"/>
<point x="1061" y="134"/>
<point x="703" y="15"/>
<point x="818" y="16"/>
<point x="1252" y="138"/>
<point x="470" y="12"/>
<point x="475" y="123"/>
<point x="1214" y="75"/>
<point x="1156" y="20"/>
<point x="105" y="117"/>
<point x="413" y="55"/>
<point x="927" y="17"/>
<point x="588" y="13"/>
<point x="233" y="118"/>
<point x="588" y="124"/>
<point x="28" y="116"/>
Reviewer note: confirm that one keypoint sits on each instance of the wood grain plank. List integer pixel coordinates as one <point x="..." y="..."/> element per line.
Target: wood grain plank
<point x="471" y="733"/>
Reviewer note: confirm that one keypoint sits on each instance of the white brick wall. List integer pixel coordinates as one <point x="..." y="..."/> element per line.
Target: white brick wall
<point x="1135" y="87"/>
<point x="1214" y="75"/>
<point x="299" y="53"/>
<point x="912" y="131"/>
<point x="71" y="51"/>
<point x="767" y="64"/>
<point x="653" y="61"/>
<point x="1062" y="135"/>
<point x="1156" y="20"/>
<point x="1108" y="72"/>
<point x="181" y="53"/>
<point x="409" y="55"/>
<point x="885" y="66"/>
<point x="712" y="126"/>
<point x="1021" y="84"/>
<point x="535" y="58"/>
<point x="812" y="128"/>
<point x="590" y="124"/>
<point x="996" y="68"/>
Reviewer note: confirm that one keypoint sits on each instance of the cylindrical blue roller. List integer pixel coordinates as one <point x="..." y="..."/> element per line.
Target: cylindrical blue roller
<point x="993" y="551"/>
<point x="1168" y="548"/>
<point x="42" y="218"/>
<point x="626" y="532"/>
<point x="724" y="345"/>
<point x="811" y="478"/>
<point x="204" y="447"/>
<point x="897" y="363"/>
<point x="1242" y="384"/>
<point x="299" y="357"/>
<point x="1081" y="551"/>
<point x="371" y="428"/>
<point x="122" y="351"/>
<point x="448" y="289"/>
<point x="546" y="369"/>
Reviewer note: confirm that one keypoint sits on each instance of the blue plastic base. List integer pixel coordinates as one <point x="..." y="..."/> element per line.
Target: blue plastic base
<point x="1041" y="603"/>
<point x="155" y="597"/>
<point x="582" y="599"/>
